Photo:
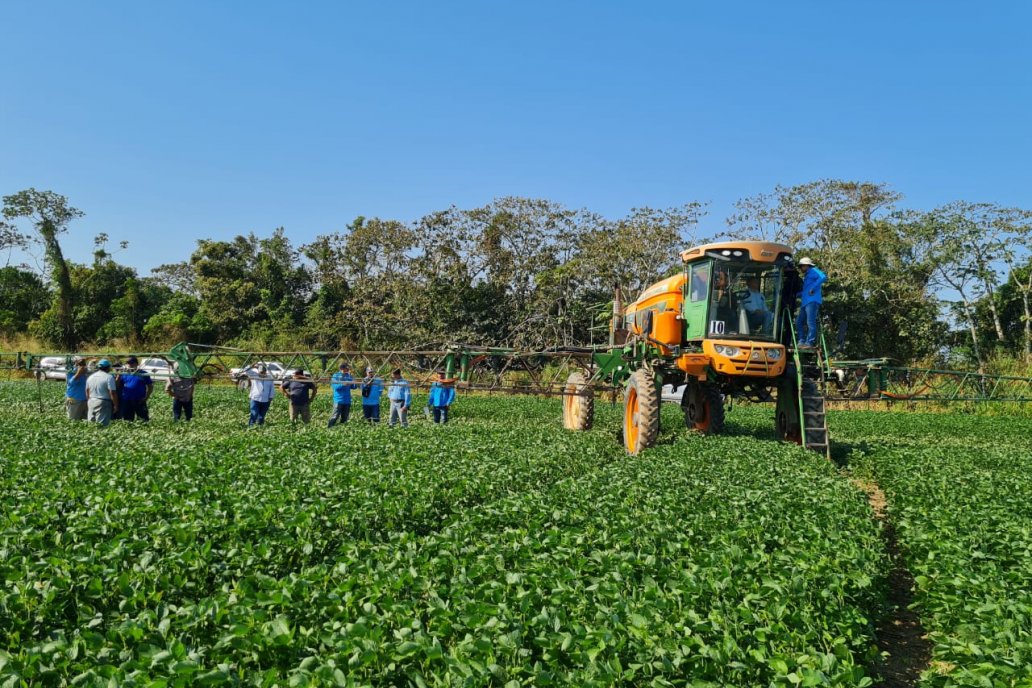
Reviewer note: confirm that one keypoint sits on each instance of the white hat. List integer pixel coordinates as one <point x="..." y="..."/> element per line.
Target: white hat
<point x="805" y="261"/>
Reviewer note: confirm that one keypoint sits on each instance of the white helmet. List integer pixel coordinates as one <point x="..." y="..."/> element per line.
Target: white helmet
<point x="805" y="261"/>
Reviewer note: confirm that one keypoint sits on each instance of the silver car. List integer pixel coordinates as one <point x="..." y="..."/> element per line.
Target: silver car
<point x="52" y="368"/>
<point x="157" y="368"/>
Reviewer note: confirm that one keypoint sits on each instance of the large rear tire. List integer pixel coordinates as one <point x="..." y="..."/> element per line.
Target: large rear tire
<point x="641" y="412"/>
<point x="703" y="406"/>
<point x="578" y="403"/>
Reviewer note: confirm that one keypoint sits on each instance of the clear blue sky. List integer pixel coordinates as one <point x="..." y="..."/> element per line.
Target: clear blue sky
<point x="170" y="122"/>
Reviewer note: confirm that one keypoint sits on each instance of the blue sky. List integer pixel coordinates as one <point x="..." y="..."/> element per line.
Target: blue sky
<point x="171" y="122"/>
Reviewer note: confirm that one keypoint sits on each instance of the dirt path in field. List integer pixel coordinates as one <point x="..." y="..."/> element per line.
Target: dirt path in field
<point x="900" y="634"/>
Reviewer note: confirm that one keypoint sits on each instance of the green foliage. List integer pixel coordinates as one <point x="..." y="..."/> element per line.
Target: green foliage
<point x="958" y="489"/>
<point x="496" y="550"/>
<point x="23" y="297"/>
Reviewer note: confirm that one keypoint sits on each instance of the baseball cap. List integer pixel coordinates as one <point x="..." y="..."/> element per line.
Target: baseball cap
<point x="103" y="364"/>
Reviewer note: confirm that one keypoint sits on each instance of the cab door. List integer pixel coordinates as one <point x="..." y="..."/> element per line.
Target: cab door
<point x="696" y="299"/>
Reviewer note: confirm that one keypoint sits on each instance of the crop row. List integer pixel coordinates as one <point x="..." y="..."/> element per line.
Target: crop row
<point x="499" y="550"/>
<point x="965" y="521"/>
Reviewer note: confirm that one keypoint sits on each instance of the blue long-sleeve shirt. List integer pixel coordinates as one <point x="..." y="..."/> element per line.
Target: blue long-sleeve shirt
<point x="441" y="395"/>
<point x="812" y="286"/>
<point x="399" y="390"/>
<point x="342" y="384"/>
<point x="372" y="388"/>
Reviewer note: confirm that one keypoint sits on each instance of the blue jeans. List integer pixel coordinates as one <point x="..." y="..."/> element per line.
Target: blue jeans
<point x="440" y="414"/>
<point x="258" y="411"/>
<point x="182" y="408"/>
<point x="806" y="324"/>
<point x="371" y="412"/>
<point x="341" y="413"/>
<point x="131" y="409"/>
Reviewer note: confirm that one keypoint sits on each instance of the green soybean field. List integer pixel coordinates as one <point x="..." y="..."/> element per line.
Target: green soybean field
<point x="501" y="550"/>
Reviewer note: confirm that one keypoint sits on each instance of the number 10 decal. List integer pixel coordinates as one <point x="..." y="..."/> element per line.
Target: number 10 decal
<point x="716" y="327"/>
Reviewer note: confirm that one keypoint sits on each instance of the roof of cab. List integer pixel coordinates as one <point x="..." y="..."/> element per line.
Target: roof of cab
<point x="761" y="251"/>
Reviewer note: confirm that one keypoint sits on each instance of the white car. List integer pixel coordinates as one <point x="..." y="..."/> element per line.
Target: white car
<point x="51" y="368"/>
<point x="157" y="368"/>
<point x="275" y="370"/>
<point x="672" y="394"/>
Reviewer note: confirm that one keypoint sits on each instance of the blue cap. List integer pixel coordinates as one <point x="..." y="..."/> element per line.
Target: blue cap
<point x="103" y="364"/>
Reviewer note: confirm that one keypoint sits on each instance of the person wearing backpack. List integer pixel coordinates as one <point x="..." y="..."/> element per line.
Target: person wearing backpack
<point x="442" y="394"/>
<point x="372" y="389"/>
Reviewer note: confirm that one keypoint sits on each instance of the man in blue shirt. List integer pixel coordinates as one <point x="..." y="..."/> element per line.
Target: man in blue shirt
<point x="372" y="388"/>
<point x="342" y="384"/>
<point x="400" y="395"/>
<point x="134" y="389"/>
<point x="75" y="389"/>
<point x="442" y="394"/>
<point x="809" y="303"/>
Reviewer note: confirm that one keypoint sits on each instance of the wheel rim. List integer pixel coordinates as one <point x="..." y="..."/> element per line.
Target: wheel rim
<point x="631" y="420"/>
<point x="703" y="424"/>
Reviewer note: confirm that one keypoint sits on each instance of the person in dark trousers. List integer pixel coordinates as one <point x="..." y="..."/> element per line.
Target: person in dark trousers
<point x="134" y="389"/>
<point x="442" y="394"/>
<point x="809" y="303"/>
<point x="372" y="389"/>
<point x="181" y="389"/>
<point x="300" y="390"/>
<point x="341" y="383"/>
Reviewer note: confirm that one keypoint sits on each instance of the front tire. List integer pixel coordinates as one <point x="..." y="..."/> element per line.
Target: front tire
<point x="641" y="412"/>
<point x="703" y="406"/>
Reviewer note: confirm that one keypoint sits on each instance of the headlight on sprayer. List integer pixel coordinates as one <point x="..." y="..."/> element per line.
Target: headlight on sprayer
<point x="774" y="354"/>
<point x="725" y="350"/>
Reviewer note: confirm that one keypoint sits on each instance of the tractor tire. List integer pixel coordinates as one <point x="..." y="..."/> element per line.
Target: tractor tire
<point x="786" y="412"/>
<point x="703" y="406"/>
<point x="578" y="403"/>
<point x="641" y="412"/>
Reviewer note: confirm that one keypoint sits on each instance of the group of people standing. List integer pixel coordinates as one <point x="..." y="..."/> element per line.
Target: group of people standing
<point x="103" y="396"/>
<point x="301" y="390"/>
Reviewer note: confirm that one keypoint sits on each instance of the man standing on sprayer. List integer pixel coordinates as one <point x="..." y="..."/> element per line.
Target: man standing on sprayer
<point x="341" y="383"/>
<point x="400" y="394"/>
<point x="809" y="303"/>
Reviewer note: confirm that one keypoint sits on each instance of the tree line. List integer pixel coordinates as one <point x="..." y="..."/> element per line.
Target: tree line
<point x="946" y="286"/>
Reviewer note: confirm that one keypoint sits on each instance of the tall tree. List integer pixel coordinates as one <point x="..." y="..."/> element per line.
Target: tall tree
<point x="50" y="214"/>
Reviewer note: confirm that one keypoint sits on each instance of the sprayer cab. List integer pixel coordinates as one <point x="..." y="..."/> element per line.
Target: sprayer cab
<point x="720" y="314"/>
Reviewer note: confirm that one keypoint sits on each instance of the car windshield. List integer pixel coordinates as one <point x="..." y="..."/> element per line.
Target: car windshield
<point x="744" y="300"/>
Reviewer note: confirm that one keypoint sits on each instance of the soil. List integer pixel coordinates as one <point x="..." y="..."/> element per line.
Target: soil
<point x="906" y="651"/>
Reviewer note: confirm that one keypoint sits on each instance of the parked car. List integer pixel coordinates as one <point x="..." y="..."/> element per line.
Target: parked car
<point x="275" y="370"/>
<point x="156" y="367"/>
<point x="51" y="368"/>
